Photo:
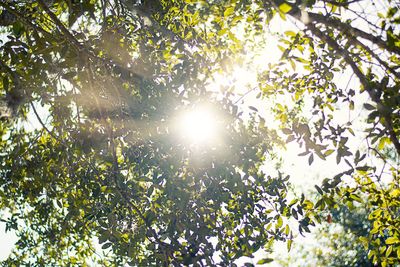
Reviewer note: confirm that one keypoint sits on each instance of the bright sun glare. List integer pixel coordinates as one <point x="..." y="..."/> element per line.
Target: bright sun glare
<point x="198" y="126"/>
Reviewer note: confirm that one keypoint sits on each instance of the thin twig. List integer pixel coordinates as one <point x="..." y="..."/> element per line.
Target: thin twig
<point x="43" y="125"/>
<point x="60" y="25"/>
<point x="245" y="94"/>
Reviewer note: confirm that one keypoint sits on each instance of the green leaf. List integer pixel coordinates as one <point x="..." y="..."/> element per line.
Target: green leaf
<point x="363" y="168"/>
<point x="294" y="214"/>
<point x="319" y="189"/>
<point x="369" y="106"/>
<point x="294" y="201"/>
<point x="355" y="198"/>
<point x="310" y="159"/>
<point x="279" y="222"/>
<point x="389" y="251"/>
<point x="289" y="244"/>
<point x="364" y="242"/>
<point x="287" y="229"/>
<point x="329" y="152"/>
<point x="253" y="108"/>
<point x="103" y="188"/>
<point x="106" y="245"/>
<point x="371" y="253"/>
<point x="18" y="28"/>
<point x="333" y="8"/>
<point x="382" y="142"/>
<point x="229" y="11"/>
<point x="5" y="83"/>
<point x="285" y="8"/>
<point x="264" y="261"/>
<point x="290" y="33"/>
<point x="392" y="240"/>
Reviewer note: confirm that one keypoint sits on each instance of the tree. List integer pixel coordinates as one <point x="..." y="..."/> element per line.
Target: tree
<point x="370" y="51"/>
<point x="106" y="162"/>
<point x="337" y="240"/>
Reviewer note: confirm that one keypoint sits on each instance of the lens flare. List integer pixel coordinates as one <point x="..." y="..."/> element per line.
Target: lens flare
<point x="198" y="126"/>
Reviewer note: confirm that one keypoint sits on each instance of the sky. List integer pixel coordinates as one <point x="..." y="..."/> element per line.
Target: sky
<point x="7" y="241"/>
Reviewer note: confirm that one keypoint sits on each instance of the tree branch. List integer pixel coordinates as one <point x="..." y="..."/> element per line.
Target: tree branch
<point x="60" y="25"/>
<point x="344" y="27"/>
<point x="80" y="47"/>
<point x="347" y="29"/>
<point x="26" y="22"/>
<point x="8" y="18"/>
<point x="355" y="41"/>
<point x="341" y="4"/>
<point x="43" y="125"/>
<point x="334" y="23"/>
<point x="363" y="80"/>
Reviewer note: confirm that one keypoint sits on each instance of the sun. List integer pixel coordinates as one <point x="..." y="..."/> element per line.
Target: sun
<point x="198" y="125"/>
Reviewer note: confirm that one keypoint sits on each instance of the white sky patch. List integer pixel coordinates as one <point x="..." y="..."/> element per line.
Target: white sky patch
<point x="7" y="243"/>
<point x="8" y="239"/>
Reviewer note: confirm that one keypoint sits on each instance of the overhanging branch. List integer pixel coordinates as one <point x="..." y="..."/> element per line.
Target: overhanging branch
<point x="60" y="25"/>
<point x="312" y="19"/>
<point x="346" y="28"/>
<point x="387" y="118"/>
<point x="341" y="4"/>
<point x="334" y="23"/>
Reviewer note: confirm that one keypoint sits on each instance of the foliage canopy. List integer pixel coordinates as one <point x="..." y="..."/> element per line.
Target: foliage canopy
<point x="109" y="78"/>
